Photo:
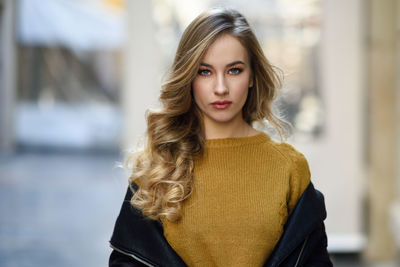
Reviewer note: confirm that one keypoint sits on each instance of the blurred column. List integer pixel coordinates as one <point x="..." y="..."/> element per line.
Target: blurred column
<point x="7" y="74"/>
<point x="383" y="16"/>
<point x="141" y="80"/>
<point x="338" y="170"/>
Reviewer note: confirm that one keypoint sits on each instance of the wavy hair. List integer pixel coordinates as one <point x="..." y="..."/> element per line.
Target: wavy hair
<point x="175" y="134"/>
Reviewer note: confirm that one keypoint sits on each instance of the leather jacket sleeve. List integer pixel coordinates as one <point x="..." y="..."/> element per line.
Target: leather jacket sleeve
<point x="304" y="240"/>
<point x="139" y="241"/>
<point x="317" y="255"/>
<point x="120" y="260"/>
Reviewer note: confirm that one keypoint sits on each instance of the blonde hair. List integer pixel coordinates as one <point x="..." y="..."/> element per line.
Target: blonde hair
<point x="175" y="135"/>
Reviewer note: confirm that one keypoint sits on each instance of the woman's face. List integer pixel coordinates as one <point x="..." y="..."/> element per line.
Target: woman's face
<point x="221" y="85"/>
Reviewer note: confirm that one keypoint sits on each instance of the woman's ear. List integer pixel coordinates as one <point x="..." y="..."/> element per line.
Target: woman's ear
<point x="251" y="82"/>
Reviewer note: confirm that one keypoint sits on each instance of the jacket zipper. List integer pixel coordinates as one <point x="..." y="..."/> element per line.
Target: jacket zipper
<point x="133" y="256"/>
<point x="301" y="252"/>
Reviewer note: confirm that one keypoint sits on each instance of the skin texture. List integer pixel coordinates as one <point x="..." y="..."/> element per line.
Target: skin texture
<point x="224" y="75"/>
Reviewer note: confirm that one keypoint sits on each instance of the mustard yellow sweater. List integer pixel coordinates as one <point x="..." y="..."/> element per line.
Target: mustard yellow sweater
<point x="244" y="190"/>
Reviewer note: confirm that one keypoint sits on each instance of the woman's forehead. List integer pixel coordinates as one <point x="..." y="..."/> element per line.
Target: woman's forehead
<point x="224" y="50"/>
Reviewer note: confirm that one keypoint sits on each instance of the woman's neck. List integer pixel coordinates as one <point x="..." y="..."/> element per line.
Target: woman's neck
<point x="238" y="128"/>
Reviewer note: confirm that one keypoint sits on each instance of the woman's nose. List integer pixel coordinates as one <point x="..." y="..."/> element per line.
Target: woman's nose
<point x="221" y="88"/>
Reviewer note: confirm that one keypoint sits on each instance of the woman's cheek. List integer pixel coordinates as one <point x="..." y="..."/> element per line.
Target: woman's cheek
<point x="199" y="92"/>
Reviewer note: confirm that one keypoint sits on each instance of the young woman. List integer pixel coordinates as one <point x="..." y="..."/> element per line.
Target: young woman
<point x="208" y="189"/>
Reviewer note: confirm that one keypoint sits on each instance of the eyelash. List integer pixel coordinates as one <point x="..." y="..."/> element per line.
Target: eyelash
<point x="237" y="70"/>
<point x="201" y="72"/>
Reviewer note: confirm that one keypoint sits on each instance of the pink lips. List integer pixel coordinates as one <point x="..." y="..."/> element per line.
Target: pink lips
<point x="221" y="104"/>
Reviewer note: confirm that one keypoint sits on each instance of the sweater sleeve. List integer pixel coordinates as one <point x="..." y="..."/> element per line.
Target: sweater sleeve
<point x="299" y="178"/>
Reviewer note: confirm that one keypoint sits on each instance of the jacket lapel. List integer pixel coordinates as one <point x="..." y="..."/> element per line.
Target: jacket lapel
<point x="307" y="214"/>
<point x="142" y="238"/>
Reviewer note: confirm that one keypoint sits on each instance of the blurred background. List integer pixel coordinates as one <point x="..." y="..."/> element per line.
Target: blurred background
<point x="76" y="77"/>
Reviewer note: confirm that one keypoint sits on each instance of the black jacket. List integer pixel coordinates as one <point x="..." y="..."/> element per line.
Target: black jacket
<point x="139" y="241"/>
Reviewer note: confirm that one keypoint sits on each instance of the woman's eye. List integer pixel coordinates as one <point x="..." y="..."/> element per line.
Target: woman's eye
<point x="204" y="72"/>
<point x="235" y="71"/>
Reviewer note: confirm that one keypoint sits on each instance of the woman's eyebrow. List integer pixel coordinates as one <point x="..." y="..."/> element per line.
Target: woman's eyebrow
<point x="228" y="65"/>
<point x="235" y="63"/>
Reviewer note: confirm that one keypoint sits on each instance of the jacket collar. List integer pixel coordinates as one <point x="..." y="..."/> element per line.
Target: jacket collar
<point x="142" y="238"/>
<point x="308" y="213"/>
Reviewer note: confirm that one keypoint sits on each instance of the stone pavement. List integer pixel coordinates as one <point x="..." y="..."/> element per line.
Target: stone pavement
<point x="58" y="209"/>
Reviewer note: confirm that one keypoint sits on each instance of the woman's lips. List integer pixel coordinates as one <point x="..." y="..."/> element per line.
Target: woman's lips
<point x="221" y="104"/>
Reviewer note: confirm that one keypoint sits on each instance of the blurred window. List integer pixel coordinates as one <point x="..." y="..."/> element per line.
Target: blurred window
<point x="69" y="76"/>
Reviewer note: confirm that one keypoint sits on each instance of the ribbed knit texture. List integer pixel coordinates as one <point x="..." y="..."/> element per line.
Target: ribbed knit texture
<point x="244" y="190"/>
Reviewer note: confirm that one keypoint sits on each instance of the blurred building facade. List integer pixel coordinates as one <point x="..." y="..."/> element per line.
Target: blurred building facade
<point x="63" y="73"/>
<point x="383" y="135"/>
<point x="341" y="92"/>
<point x="8" y="70"/>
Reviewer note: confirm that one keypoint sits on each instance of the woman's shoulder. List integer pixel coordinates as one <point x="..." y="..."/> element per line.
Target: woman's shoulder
<point x="288" y="152"/>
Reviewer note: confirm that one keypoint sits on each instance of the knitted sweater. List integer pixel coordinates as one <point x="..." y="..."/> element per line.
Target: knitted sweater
<point x="244" y="190"/>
